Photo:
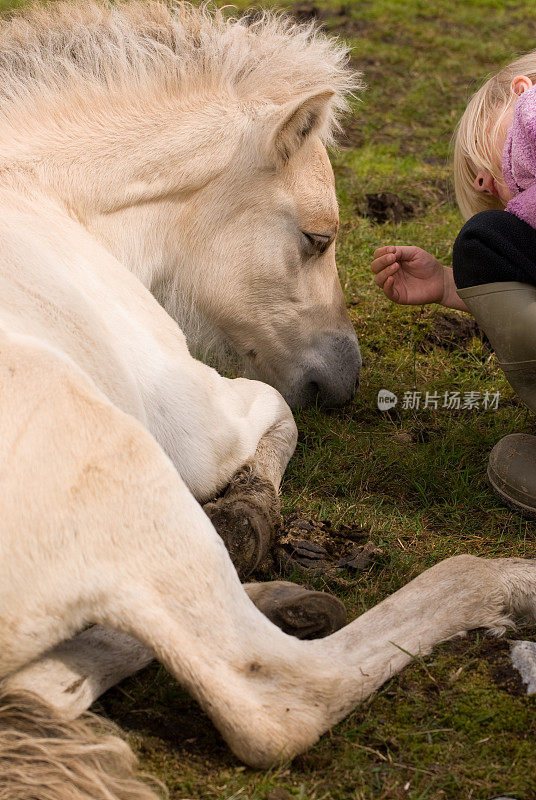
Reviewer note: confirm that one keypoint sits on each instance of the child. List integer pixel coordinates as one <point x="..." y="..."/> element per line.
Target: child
<point x="494" y="255"/>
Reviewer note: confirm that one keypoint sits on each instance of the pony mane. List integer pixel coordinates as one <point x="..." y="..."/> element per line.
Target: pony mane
<point x="137" y="48"/>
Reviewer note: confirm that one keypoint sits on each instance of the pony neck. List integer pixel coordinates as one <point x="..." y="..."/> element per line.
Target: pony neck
<point x="116" y="166"/>
<point x="113" y="152"/>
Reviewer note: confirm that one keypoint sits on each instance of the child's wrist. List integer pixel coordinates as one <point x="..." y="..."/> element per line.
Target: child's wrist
<point x="450" y="297"/>
<point x="447" y="283"/>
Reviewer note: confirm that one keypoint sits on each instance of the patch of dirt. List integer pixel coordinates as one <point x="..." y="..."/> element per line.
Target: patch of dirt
<point x="506" y="677"/>
<point x="355" y="300"/>
<point x="151" y="704"/>
<point x="318" y="546"/>
<point x="451" y="332"/>
<point x="306" y="12"/>
<point x="496" y="652"/>
<point x="313" y="760"/>
<point x="386" y="207"/>
<point x="341" y="20"/>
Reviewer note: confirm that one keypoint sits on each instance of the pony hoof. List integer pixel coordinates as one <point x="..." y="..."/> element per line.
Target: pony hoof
<point x="298" y="611"/>
<point x="245" y="529"/>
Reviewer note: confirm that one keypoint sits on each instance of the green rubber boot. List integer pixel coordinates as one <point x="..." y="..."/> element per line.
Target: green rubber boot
<point x="506" y="312"/>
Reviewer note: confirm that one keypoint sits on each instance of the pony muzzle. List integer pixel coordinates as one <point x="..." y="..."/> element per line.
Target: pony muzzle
<point x="329" y="374"/>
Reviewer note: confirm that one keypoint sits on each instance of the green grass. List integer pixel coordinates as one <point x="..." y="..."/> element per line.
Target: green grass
<point x="446" y="727"/>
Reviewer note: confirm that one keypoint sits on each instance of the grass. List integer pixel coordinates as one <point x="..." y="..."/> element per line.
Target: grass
<point x="450" y="726"/>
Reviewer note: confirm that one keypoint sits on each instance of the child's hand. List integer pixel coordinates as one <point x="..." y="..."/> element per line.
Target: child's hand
<point x="409" y="275"/>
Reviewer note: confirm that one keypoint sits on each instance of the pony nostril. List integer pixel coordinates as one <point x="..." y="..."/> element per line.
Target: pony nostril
<point x="313" y="389"/>
<point x="481" y="181"/>
<point x="331" y="377"/>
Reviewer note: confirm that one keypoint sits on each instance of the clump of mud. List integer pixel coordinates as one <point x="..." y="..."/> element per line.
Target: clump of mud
<point x="279" y="794"/>
<point x="451" y="332"/>
<point x="386" y="207"/>
<point x="317" y="545"/>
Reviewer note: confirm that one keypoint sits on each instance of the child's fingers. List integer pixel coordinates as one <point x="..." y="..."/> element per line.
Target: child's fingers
<point x="381" y="277"/>
<point x="390" y="290"/>
<point x="383" y="261"/>
<point x="381" y="251"/>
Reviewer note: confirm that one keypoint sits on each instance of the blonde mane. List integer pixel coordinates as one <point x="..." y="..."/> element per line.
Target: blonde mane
<point x="68" y="52"/>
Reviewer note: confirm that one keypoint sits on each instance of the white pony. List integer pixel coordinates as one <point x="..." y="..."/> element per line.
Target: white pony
<point x="154" y="148"/>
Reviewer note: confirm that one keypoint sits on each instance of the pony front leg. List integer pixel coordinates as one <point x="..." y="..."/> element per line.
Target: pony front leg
<point x="230" y="440"/>
<point x="248" y="511"/>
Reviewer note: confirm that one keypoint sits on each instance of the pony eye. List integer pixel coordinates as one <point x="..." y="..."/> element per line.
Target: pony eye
<point x="316" y="243"/>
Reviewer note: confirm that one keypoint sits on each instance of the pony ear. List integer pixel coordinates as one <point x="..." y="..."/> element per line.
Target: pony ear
<point x="294" y="123"/>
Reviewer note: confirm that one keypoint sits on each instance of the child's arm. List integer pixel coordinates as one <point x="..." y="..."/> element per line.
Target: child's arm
<point x="411" y="276"/>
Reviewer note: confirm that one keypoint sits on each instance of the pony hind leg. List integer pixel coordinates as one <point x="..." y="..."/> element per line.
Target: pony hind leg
<point x="148" y="563"/>
<point x="76" y="672"/>
<point x="272" y="696"/>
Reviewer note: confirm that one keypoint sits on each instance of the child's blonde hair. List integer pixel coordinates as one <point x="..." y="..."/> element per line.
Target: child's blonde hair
<point x="476" y="135"/>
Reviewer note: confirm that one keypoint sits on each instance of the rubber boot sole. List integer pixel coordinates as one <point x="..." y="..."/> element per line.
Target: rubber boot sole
<point x="516" y="505"/>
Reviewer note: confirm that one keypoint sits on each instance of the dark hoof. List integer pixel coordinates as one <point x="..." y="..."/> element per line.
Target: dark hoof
<point x="246" y="531"/>
<point x="298" y="611"/>
<point x="245" y="518"/>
